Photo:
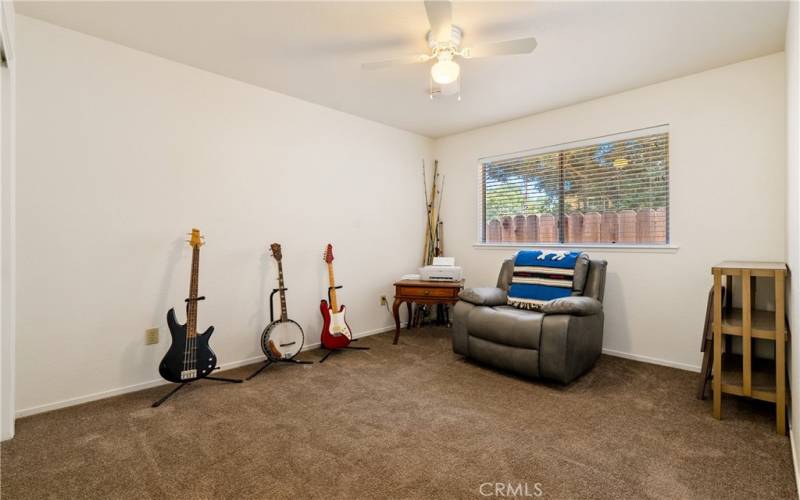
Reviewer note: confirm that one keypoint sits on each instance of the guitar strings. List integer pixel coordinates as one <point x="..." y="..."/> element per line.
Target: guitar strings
<point x="193" y="345"/>
<point x="194" y="351"/>
<point x="186" y="344"/>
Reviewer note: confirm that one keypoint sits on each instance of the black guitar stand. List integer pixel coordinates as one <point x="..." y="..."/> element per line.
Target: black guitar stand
<point x="352" y="348"/>
<point x="269" y="361"/>
<point x="182" y="384"/>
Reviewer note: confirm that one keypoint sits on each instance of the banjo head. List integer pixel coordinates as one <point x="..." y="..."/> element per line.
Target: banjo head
<point x="282" y="340"/>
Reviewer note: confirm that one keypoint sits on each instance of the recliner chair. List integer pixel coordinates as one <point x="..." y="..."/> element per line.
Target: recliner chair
<point x="560" y="343"/>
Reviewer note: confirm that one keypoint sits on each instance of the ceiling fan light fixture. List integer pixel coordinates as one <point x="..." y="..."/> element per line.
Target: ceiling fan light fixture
<point x="445" y="71"/>
<point x="444" y="41"/>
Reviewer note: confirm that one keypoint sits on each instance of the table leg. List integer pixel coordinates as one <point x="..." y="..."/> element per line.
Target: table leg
<point x="396" y="312"/>
<point x="409" y="315"/>
<point x="717" y="367"/>
<point x="780" y="354"/>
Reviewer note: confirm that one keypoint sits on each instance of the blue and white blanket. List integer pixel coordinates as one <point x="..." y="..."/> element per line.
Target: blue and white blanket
<point x="540" y="277"/>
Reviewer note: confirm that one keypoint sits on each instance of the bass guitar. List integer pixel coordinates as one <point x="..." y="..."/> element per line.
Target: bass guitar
<point x="189" y="357"/>
<point x="283" y="338"/>
<point x="336" y="334"/>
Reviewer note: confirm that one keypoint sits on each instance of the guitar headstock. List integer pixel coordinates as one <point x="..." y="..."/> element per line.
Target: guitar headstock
<point x="195" y="239"/>
<point x="328" y="255"/>
<point x="276" y="251"/>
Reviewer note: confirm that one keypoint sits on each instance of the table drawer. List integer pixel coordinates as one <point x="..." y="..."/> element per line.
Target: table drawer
<point x="422" y="292"/>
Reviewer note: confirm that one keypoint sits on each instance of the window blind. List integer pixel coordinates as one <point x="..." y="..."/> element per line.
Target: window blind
<point x="613" y="189"/>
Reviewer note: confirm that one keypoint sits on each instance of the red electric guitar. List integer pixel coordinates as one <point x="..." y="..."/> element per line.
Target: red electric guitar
<point x="336" y="333"/>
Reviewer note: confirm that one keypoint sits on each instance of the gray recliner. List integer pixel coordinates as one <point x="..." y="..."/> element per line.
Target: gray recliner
<point x="560" y="343"/>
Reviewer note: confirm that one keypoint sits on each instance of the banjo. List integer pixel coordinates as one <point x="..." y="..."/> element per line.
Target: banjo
<point x="283" y="338"/>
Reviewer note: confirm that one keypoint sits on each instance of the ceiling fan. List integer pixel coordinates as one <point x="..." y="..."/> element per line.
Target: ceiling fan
<point x="444" y="40"/>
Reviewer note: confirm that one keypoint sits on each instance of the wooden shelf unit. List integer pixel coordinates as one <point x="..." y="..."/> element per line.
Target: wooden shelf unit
<point x="762" y="380"/>
<point x="744" y="375"/>
<point x="762" y="323"/>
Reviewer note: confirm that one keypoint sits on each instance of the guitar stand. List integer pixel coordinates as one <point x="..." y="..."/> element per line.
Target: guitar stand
<point x="271" y="319"/>
<point x="331" y="351"/>
<point x="180" y="386"/>
<point x="329" y="291"/>
<point x="352" y="348"/>
<point x="273" y="361"/>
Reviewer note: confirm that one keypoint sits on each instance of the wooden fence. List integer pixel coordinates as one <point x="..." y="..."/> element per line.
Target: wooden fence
<point x="644" y="226"/>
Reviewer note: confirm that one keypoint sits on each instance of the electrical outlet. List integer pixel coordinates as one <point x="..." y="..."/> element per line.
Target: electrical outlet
<point x="151" y="336"/>
<point x="383" y="300"/>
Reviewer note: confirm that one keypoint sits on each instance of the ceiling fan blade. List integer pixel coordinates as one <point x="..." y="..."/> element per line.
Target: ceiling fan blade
<point x="418" y="58"/>
<point x="510" y="47"/>
<point x="440" y="17"/>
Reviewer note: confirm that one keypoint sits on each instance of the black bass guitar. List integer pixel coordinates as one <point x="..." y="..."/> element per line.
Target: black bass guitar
<point x="189" y="357"/>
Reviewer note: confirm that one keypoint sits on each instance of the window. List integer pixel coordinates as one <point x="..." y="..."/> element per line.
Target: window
<point x="609" y="190"/>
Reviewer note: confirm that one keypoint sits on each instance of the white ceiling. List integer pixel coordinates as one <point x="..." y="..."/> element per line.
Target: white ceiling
<point x="314" y="50"/>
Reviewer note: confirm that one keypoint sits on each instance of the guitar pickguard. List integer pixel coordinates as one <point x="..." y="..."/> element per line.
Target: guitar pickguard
<point x="338" y="325"/>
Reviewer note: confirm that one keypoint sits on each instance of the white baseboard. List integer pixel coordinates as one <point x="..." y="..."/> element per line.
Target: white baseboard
<point x="118" y="391"/>
<point x="308" y="347"/>
<point x="155" y="383"/>
<point x="653" y="361"/>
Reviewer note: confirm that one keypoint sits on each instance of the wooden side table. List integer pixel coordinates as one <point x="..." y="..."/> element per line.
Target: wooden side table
<point x="422" y="292"/>
<point x="742" y="375"/>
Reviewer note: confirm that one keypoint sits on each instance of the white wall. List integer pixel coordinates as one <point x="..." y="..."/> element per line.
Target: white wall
<point x="121" y="153"/>
<point x="792" y="53"/>
<point x="7" y="182"/>
<point x="727" y="196"/>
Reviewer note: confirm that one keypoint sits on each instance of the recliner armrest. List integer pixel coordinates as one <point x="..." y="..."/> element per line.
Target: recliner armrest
<point x="575" y="306"/>
<point x="485" y="296"/>
<point x="569" y="345"/>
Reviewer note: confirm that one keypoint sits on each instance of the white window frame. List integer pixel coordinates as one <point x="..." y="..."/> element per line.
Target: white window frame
<point x="669" y="247"/>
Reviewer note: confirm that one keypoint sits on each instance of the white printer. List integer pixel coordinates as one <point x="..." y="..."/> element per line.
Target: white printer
<point x="443" y="269"/>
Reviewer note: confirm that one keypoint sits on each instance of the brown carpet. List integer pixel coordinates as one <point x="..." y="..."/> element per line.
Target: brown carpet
<point x="407" y="421"/>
